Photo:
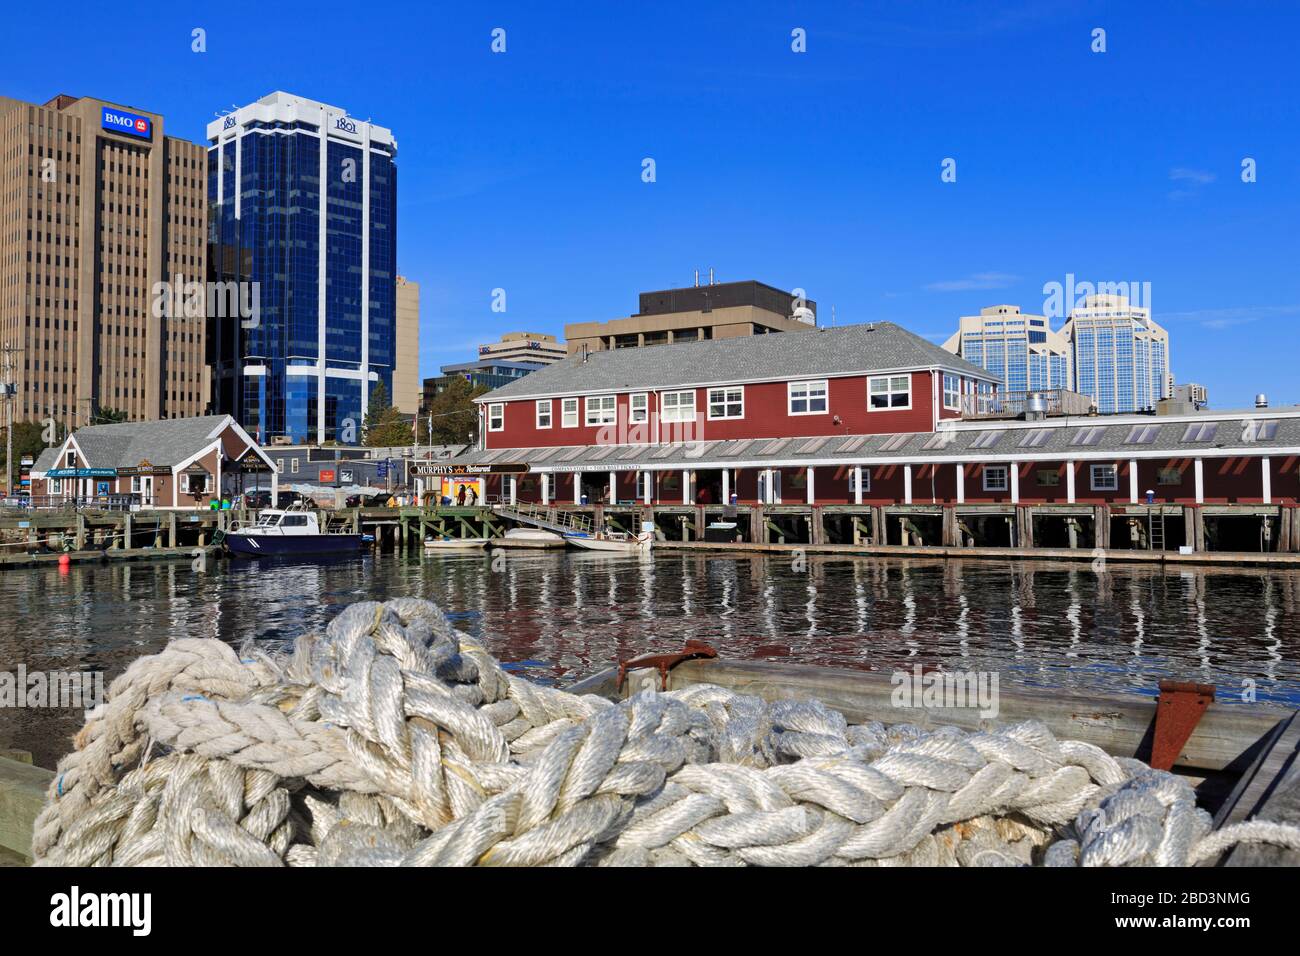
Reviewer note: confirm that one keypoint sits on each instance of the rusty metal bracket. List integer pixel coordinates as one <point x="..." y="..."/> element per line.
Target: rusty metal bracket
<point x="664" y="662"/>
<point x="1179" y="709"/>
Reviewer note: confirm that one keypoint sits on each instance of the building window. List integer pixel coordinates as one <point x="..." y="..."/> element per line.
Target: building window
<point x="601" y="410"/>
<point x="293" y="466"/>
<point x="890" y="391"/>
<point x="544" y="413"/>
<point x="807" y="398"/>
<point x="71" y="460"/>
<point x="569" y="413"/>
<point x="726" y="403"/>
<point x="1169" y="476"/>
<point x="56" y="486"/>
<point x="638" y="408"/>
<point x="1105" y="478"/>
<point x="995" y="477"/>
<point x="866" y="480"/>
<point x="951" y="392"/>
<point x="678" y="407"/>
<point x="497" y="417"/>
<point x="1048" y="477"/>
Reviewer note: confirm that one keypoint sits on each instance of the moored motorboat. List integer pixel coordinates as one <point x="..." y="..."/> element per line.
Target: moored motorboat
<point x="454" y="544"/>
<point x="614" y="542"/>
<point x="288" y="532"/>
<point x="529" y="538"/>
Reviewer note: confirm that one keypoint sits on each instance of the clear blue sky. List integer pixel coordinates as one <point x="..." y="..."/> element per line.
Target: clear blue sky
<point x="522" y="170"/>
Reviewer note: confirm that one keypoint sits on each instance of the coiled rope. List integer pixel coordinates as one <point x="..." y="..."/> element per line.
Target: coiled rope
<point x="394" y="739"/>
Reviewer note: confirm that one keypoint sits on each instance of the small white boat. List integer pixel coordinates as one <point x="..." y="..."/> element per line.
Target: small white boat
<point x="532" y="538"/>
<point x="454" y="544"/>
<point x="615" y="542"/>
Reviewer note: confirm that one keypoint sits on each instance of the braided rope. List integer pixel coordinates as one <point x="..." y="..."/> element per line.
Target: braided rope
<point x="394" y="739"/>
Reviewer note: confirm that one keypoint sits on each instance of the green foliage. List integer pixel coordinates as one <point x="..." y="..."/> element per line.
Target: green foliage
<point x="109" y="416"/>
<point x="453" y="413"/>
<point x="384" y="425"/>
<point x="27" y="441"/>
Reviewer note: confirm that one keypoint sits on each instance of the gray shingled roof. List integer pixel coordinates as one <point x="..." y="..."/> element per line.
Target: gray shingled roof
<point x="167" y="441"/>
<point x="813" y="354"/>
<point x="1169" y="438"/>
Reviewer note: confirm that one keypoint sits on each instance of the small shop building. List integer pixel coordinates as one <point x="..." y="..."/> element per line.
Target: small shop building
<point x="171" y="463"/>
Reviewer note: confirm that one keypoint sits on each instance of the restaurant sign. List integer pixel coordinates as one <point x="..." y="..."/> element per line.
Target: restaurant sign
<point x="144" y="468"/>
<point x="426" y="471"/>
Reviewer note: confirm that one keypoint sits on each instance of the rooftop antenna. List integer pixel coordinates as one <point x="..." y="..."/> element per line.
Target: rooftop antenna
<point x="710" y="275"/>
<point x="832" y="316"/>
<point x="697" y="278"/>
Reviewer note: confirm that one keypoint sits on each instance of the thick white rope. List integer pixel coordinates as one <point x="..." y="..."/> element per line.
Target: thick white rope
<point x="394" y="739"/>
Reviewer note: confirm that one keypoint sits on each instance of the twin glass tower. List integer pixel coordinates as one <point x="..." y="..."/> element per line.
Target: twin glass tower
<point x="302" y="205"/>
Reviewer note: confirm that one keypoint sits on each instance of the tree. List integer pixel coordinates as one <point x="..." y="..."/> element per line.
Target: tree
<point x="108" y="416"/>
<point x="28" y="440"/>
<point x="453" y="413"/>
<point x="384" y="426"/>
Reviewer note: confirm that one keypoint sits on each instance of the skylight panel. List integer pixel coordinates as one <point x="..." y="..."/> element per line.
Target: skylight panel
<point x="1036" y="438"/>
<point x="1201" y="431"/>
<point x="1142" y="434"/>
<point x="1089" y="435"/>
<point x="988" y="439"/>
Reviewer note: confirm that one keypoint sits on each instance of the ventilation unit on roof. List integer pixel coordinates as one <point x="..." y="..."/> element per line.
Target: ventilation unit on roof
<point x="1261" y="400"/>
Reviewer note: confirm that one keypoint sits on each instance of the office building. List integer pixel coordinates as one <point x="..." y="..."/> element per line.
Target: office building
<point x="531" y="347"/>
<point x="100" y="211"/>
<point x="406" y="370"/>
<point x="1120" y="355"/>
<point x="1021" y="350"/>
<point x="697" y="313"/>
<point x="304" y="205"/>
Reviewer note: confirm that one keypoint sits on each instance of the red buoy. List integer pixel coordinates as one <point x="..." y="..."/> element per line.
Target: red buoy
<point x="65" y="560"/>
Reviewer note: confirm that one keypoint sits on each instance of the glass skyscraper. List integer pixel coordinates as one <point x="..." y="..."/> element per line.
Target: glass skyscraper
<point x="1021" y="350"/>
<point x="303" y="202"/>
<point x="1121" y="356"/>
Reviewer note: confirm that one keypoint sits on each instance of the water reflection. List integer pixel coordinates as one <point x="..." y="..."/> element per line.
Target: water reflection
<point x="562" y="615"/>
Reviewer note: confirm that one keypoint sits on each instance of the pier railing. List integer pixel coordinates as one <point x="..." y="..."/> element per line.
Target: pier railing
<point x="549" y="517"/>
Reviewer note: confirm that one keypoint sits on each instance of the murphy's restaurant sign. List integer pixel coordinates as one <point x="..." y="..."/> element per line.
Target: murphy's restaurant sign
<point x="430" y="471"/>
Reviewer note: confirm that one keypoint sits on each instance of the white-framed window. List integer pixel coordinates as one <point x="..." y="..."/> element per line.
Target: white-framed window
<point x="601" y="410"/>
<point x="569" y="413"/>
<point x="496" y="417"/>
<point x="889" y="391"/>
<point x="638" y="408"/>
<point x="135" y="484"/>
<point x="866" y="480"/>
<point x="808" y="398"/>
<point x="678" y="407"/>
<point x="543" y="413"/>
<point x="727" y="402"/>
<point x="70" y="460"/>
<point x="293" y="466"/>
<point x="995" y="477"/>
<point x="279" y="465"/>
<point x="56" y="486"/>
<point x="1104" y="478"/>
<point x="952" y="392"/>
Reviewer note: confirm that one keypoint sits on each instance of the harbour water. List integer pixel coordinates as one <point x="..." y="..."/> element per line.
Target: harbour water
<point x="555" y="617"/>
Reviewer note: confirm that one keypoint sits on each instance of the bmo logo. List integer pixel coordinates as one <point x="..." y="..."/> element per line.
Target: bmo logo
<point x="346" y="125"/>
<point x="119" y="121"/>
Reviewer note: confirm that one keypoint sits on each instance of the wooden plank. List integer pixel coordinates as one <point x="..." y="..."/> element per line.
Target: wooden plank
<point x="1228" y="737"/>
<point x="1272" y="793"/>
<point x="22" y="794"/>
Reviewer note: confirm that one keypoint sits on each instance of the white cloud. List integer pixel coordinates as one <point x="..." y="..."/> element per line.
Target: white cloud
<point x="979" y="280"/>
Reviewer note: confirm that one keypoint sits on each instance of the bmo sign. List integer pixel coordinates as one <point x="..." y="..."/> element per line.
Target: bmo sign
<point x="120" y="121"/>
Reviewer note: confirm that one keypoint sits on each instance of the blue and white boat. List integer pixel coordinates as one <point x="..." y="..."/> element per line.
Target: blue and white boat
<point x="289" y="533"/>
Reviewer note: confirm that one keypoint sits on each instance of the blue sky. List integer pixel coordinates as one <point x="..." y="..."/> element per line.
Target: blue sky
<point x="522" y="170"/>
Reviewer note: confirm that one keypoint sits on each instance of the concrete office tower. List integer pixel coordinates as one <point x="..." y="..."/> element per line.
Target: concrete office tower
<point x="1121" y="356"/>
<point x="1022" y="350"/>
<point x="97" y="207"/>
<point x="697" y="313"/>
<point x="406" y="371"/>
<point x="304" y="204"/>
<point x="536" y="347"/>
